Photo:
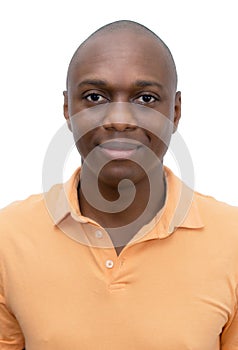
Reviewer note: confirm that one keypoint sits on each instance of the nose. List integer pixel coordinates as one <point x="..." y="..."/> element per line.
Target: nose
<point x="120" y="117"/>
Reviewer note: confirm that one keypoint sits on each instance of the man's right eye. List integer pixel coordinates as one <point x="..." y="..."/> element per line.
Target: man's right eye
<point x="93" y="97"/>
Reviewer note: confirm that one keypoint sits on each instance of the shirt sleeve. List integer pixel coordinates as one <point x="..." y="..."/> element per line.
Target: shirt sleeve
<point x="11" y="337"/>
<point x="229" y="337"/>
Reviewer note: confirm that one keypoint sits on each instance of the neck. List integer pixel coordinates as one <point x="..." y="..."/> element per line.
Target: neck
<point x="116" y="207"/>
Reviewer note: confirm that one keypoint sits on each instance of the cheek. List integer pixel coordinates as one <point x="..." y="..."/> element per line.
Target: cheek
<point x="85" y="125"/>
<point x="83" y="145"/>
<point x="83" y="133"/>
<point x="158" y="147"/>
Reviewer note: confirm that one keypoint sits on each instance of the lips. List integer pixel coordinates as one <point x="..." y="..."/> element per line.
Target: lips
<point x="119" y="149"/>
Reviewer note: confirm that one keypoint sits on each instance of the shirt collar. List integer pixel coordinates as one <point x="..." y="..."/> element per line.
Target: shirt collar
<point x="180" y="209"/>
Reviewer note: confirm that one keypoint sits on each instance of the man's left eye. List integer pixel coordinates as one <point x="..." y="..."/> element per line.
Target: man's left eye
<point x="144" y="99"/>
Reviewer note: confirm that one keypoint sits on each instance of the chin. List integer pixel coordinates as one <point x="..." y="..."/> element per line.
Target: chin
<point x="116" y="171"/>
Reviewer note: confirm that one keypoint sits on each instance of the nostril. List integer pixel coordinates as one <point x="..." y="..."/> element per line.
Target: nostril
<point x="108" y="127"/>
<point x="130" y="127"/>
<point x="120" y="126"/>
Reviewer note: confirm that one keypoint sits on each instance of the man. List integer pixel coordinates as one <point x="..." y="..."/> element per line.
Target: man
<point x="124" y="256"/>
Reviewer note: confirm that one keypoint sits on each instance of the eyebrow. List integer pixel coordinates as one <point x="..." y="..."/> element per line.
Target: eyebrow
<point x="145" y="83"/>
<point x="94" y="82"/>
<point x="99" y="82"/>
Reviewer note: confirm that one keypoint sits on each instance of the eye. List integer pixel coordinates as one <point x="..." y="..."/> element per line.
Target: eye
<point x="146" y="99"/>
<point x="93" y="97"/>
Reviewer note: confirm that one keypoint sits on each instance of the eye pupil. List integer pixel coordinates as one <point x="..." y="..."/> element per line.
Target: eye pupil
<point x="94" y="97"/>
<point x="146" y="98"/>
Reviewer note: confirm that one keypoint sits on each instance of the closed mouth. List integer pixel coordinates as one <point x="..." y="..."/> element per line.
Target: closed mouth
<point x="121" y="144"/>
<point x="120" y="149"/>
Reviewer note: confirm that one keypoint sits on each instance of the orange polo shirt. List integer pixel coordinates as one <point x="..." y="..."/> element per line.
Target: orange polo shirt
<point x="174" y="287"/>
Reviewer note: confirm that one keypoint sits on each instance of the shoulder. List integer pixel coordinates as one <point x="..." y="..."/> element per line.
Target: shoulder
<point x="17" y="218"/>
<point x="20" y="209"/>
<point x="26" y="216"/>
<point x="219" y="218"/>
<point x="30" y="205"/>
<point x="210" y="205"/>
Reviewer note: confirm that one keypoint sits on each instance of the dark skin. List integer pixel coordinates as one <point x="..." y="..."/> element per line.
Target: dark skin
<point x="122" y="67"/>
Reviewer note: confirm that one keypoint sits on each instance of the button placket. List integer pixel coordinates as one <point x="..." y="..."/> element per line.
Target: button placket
<point x="109" y="264"/>
<point x="98" y="234"/>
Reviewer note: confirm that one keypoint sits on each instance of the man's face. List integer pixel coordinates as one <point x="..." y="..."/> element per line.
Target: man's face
<point x="122" y="75"/>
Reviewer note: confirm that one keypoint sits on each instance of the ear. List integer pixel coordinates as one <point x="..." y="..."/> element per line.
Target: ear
<point x="66" y="109"/>
<point x="177" y="110"/>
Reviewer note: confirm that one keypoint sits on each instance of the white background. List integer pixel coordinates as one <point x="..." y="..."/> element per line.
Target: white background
<point x="38" y="39"/>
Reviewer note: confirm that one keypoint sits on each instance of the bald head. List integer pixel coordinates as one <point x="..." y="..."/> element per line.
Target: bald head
<point x="125" y="27"/>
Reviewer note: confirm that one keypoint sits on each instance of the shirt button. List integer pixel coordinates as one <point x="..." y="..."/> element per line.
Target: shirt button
<point x="109" y="264"/>
<point x="98" y="234"/>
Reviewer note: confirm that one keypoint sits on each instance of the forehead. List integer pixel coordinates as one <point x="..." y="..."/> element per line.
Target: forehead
<point x="122" y="55"/>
